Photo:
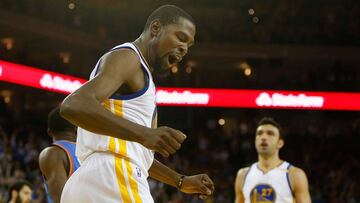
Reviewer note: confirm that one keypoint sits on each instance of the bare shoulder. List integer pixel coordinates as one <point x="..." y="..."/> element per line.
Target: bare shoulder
<point x="50" y="157"/>
<point x="115" y="68"/>
<point x="298" y="179"/>
<point x="241" y="175"/>
<point x="299" y="184"/>
<point x="239" y="182"/>
<point x="241" y="172"/>
<point x="116" y="59"/>
<point x="296" y="172"/>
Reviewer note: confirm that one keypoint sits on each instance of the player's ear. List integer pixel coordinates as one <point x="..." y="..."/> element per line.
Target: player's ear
<point x="281" y="143"/>
<point x="155" y="27"/>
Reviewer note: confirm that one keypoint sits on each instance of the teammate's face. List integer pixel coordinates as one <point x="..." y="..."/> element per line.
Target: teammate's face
<point x="25" y="194"/>
<point x="173" y="42"/>
<point x="267" y="139"/>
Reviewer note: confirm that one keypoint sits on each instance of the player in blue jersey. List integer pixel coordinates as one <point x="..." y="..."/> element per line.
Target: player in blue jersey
<point x="58" y="161"/>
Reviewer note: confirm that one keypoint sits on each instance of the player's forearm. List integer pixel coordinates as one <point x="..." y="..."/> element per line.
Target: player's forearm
<point x="55" y="192"/>
<point x="164" y="174"/>
<point x="89" y="114"/>
<point x="56" y="184"/>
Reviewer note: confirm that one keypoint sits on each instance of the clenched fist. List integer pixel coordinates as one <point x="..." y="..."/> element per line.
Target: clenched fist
<point x="164" y="140"/>
<point x="198" y="184"/>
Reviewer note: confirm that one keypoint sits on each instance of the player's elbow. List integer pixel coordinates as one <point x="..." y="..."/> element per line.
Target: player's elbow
<point x="66" y="108"/>
<point x="70" y="106"/>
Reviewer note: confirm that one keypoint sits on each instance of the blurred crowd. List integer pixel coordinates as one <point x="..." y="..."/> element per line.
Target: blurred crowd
<point x="325" y="148"/>
<point x="19" y="151"/>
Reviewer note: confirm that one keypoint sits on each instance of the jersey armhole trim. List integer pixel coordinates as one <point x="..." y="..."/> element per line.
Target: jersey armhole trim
<point x="70" y="169"/>
<point x="288" y="180"/>
<point x="247" y="172"/>
<point x="97" y="67"/>
<point x="135" y="94"/>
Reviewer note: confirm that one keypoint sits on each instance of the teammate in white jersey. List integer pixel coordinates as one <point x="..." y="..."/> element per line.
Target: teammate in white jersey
<point x="116" y="114"/>
<point x="271" y="180"/>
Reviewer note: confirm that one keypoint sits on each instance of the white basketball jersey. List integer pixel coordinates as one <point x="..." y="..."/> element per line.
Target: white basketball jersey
<point x="270" y="187"/>
<point x="139" y="107"/>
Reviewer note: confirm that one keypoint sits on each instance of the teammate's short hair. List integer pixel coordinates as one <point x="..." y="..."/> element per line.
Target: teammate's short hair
<point x="56" y="123"/>
<point x="168" y="14"/>
<point x="271" y="121"/>
<point x="17" y="186"/>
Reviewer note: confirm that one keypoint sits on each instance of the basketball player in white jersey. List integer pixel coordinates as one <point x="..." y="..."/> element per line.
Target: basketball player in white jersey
<point x="271" y="180"/>
<point x="116" y="114"/>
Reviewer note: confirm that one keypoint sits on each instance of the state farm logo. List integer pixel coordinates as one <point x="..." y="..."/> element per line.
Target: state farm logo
<point x="185" y="97"/>
<point x="59" y="83"/>
<point x="290" y="100"/>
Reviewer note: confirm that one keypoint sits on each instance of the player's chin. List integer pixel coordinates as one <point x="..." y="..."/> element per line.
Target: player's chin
<point x="163" y="70"/>
<point x="161" y="65"/>
<point x="262" y="151"/>
<point x="165" y="66"/>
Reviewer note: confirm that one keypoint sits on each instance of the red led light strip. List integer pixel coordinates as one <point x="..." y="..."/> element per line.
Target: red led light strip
<point x="28" y="76"/>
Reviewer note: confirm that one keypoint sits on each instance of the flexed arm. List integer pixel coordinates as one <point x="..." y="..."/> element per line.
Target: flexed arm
<point x="83" y="107"/>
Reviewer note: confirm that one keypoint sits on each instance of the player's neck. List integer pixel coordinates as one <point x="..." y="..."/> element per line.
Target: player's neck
<point x="65" y="136"/>
<point x="142" y="43"/>
<point x="267" y="163"/>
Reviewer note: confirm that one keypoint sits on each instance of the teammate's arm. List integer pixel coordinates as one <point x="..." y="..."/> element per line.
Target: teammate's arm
<point x="239" y="197"/>
<point x="199" y="184"/>
<point x="53" y="163"/>
<point x="83" y="107"/>
<point x="299" y="183"/>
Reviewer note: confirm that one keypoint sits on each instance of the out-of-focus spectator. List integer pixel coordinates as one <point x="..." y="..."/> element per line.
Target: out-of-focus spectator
<point x="20" y="192"/>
